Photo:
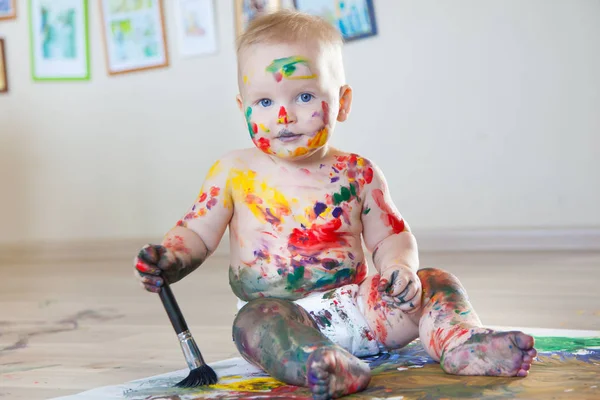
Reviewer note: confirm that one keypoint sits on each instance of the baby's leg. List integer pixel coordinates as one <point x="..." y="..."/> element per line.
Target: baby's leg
<point x="282" y="339"/>
<point x="452" y="333"/>
<point x="391" y="326"/>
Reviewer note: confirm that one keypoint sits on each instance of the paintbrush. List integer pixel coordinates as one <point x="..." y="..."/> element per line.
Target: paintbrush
<point x="200" y="372"/>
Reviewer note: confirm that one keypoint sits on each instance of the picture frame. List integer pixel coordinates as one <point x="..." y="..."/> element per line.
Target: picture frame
<point x="3" y="75"/>
<point x="134" y="35"/>
<point x="355" y="19"/>
<point x="59" y="40"/>
<point x="196" y="27"/>
<point x="247" y="10"/>
<point x="8" y="9"/>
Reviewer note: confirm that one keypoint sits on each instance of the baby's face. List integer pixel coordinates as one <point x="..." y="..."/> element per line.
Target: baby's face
<point x="290" y="96"/>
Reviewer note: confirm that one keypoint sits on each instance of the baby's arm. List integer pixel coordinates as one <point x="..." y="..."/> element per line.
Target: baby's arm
<point x="196" y="236"/>
<point x="394" y="247"/>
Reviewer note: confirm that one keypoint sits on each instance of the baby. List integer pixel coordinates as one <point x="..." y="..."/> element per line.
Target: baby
<point x="298" y="211"/>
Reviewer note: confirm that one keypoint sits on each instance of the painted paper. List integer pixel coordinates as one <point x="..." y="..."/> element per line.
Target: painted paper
<point x="567" y="366"/>
<point x="59" y="39"/>
<point x="196" y="27"/>
<point x="134" y="35"/>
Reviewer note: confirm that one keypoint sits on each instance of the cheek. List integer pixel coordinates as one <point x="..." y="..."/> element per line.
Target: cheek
<point x="317" y="114"/>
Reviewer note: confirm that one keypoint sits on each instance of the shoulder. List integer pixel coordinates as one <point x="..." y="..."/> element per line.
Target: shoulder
<point x="240" y="158"/>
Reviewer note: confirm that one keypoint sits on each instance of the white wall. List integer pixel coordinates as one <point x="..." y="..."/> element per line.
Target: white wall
<point x="483" y="114"/>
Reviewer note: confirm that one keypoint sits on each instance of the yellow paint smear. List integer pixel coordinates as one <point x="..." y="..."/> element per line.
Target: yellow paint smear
<point x="259" y="384"/>
<point x="319" y="140"/>
<point x="259" y="197"/>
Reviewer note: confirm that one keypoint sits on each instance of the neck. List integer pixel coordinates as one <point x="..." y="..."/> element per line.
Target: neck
<point x="314" y="158"/>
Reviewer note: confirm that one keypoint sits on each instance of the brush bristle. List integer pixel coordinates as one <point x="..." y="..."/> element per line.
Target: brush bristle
<point x="200" y="376"/>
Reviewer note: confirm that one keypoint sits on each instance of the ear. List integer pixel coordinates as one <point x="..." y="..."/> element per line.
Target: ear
<point x="240" y="103"/>
<point x="345" y="103"/>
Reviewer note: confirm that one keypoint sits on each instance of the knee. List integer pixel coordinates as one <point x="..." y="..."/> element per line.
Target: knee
<point x="266" y="311"/>
<point x="436" y="275"/>
<point x="434" y="280"/>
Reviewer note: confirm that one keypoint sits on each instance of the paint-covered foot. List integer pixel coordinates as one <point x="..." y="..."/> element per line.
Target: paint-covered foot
<point x="333" y="372"/>
<point x="491" y="353"/>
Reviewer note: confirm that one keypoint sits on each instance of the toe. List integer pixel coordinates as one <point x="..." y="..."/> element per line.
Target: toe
<point x="523" y="341"/>
<point x="522" y="373"/>
<point x="532" y="353"/>
<point x="525" y="367"/>
<point x="527" y="359"/>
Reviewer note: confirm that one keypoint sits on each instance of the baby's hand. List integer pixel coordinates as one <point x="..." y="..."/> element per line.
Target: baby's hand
<point x="400" y="285"/>
<point x="155" y="262"/>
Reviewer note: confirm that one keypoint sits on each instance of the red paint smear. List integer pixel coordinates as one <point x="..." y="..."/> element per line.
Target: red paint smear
<point x="373" y="292"/>
<point x="389" y="217"/>
<point x="375" y="303"/>
<point x="254" y="128"/>
<point x="325" y="107"/>
<point x="368" y="174"/>
<point x="367" y="334"/>
<point x="318" y="237"/>
<point x="253" y="199"/>
<point x="202" y="197"/>
<point x="361" y="272"/>
<point x="264" y="144"/>
<point x="278" y="76"/>
<point x="177" y="244"/>
<point x="283" y="117"/>
<point x="140" y="266"/>
<point x="441" y="338"/>
<point x="214" y="191"/>
<point x="269" y="233"/>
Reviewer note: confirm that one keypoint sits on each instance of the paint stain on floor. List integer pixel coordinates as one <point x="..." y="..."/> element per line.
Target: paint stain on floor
<point x="565" y="368"/>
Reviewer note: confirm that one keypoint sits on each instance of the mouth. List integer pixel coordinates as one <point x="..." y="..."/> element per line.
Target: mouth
<point x="287" y="136"/>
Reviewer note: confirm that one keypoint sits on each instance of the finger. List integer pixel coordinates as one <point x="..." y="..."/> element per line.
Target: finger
<point x="166" y="261"/>
<point x="151" y="280"/>
<point x="146" y="268"/>
<point x="385" y="281"/>
<point x="151" y="253"/>
<point x="413" y="299"/>
<point x="399" y="285"/>
<point x="150" y="288"/>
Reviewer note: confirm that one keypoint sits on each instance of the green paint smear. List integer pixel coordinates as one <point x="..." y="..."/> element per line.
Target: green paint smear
<point x="295" y="280"/>
<point x="248" y="115"/>
<point x="287" y="65"/>
<point x="368" y="210"/>
<point x="345" y="194"/>
<point x="557" y="343"/>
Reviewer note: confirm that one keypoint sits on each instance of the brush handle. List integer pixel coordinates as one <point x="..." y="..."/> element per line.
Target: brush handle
<point x="172" y="309"/>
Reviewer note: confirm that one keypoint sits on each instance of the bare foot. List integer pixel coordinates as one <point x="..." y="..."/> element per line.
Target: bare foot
<point x="333" y="372"/>
<point x="492" y="354"/>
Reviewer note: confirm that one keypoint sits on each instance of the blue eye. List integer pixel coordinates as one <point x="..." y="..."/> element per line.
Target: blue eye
<point x="305" y="97"/>
<point x="266" y="102"/>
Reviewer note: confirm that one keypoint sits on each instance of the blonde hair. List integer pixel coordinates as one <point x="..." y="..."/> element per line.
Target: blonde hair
<point x="289" y="26"/>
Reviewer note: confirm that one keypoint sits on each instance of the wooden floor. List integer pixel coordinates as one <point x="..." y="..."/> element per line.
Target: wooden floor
<point x="73" y="322"/>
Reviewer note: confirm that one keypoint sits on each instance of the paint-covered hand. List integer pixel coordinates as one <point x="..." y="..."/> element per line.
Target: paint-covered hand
<point x="155" y="262"/>
<point x="400" y="285"/>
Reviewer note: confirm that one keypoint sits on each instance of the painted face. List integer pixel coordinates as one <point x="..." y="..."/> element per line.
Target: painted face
<point x="286" y="91"/>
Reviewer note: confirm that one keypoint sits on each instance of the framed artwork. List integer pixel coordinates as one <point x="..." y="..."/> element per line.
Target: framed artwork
<point x="247" y="10"/>
<point x="8" y="9"/>
<point x="196" y="30"/>
<point x="134" y="35"/>
<point x="3" y="77"/>
<point x="355" y="19"/>
<point x="59" y="41"/>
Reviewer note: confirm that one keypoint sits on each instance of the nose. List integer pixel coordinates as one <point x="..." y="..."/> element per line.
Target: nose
<point x="285" y="116"/>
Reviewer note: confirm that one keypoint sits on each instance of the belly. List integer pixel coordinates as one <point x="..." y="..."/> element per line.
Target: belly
<point x="295" y="277"/>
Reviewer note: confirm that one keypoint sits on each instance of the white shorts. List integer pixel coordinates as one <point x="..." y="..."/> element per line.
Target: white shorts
<point x="340" y="319"/>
